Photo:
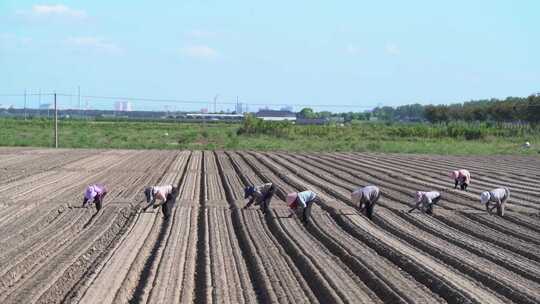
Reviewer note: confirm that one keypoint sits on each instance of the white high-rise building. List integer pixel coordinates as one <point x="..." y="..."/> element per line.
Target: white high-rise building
<point x="123" y="106"/>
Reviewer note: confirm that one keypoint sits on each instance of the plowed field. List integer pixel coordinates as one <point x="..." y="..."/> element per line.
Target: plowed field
<point x="213" y="251"/>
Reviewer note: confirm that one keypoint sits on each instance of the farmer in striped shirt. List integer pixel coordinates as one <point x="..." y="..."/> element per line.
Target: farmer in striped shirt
<point x="94" y="194"/>
<point x="497" y="196"/>
<point x="166" y="195"/>
<point x="302" y="201"/>
<point x="425" y="201"/>
<point x="260" y="195"/>
<point x="462" y="178"/>
<point x="366" y="198"/>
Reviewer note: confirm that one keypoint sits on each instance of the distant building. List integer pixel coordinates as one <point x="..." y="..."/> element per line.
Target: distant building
<point x="204" y="110"/>
<point x="286" y="108"/>
<point x="45" y="106"/>
<point x="275" y="115"/>
<point x="239" y="108"/>
<point x="123" y="106"/>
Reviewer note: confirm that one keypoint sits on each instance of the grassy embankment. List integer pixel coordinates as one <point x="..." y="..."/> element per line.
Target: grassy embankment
<point x="454" y="139"/>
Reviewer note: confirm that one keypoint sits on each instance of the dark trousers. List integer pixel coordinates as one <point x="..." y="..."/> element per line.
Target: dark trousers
<point x="368" y="206"/>
<point x="306" y="213"/>
<point x="265" y="204"/>
<point x="429" y="208"/>
<point x="462" y="184"/>
<point x="148" y="194"/>
<point x="166" y="209"/>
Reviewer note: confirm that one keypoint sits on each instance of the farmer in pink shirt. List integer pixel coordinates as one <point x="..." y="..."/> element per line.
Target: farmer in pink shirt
<point x="95" y="193"/>
<point x="462" y="178"/>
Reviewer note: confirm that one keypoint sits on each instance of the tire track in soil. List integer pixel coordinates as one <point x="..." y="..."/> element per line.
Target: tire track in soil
<point x="202" y="282"/>
<point x="327" y="270"/>
<point x="469" y="289"/>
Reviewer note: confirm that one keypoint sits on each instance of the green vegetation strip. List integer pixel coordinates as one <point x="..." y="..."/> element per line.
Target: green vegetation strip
<point x="448" y="139"/>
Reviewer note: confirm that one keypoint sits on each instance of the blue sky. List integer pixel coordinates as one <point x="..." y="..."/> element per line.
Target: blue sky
<point x="358" y="53"/>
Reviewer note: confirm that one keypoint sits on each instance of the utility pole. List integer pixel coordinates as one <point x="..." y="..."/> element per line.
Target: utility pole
<point x="24" y="104"/>
<point x="215" y="103"/>
<point x="39" y="102"/>
<point x="79" y="91"/>
<point x="55" y="122"/>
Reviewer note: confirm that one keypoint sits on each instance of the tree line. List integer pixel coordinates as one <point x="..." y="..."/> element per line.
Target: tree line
<point x="511" y="109"/>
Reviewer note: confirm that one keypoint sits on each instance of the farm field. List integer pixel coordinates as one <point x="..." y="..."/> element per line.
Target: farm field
<point x="212" y="251"/>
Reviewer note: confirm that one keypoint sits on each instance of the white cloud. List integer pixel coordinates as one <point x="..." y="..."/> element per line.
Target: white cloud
<point x="392" y="49"/>
<point x="95" y="44"/>
<point x="199" y="51"/>
<point x="53" y="10"/>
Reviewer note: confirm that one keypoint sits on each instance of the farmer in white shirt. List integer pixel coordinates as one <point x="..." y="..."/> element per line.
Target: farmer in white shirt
<point x="165" y="194"/>
<point x="302" y="201"/>
<point x="498" y="197"/>
<point x="366" y="198"/>
<point x="425" y="201"/>
<point x="462" y="178"/>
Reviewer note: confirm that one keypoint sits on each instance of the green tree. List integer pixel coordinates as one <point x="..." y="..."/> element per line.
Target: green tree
<point x="307" y="113"/>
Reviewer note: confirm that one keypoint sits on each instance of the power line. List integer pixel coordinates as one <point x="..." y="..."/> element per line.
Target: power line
<point x="200" y="102"/>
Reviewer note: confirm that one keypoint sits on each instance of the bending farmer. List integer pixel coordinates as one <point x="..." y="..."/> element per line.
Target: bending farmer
<point x="260" y="195"/>
<point x="366" y="198"/>
<point x="498" y="196"/>
<point x="425" y="201"/>
<point x="95" y="193"/>
<point x="462" y="178"/>
<point x="162" y="194"/>
<point x="302" y="201"/>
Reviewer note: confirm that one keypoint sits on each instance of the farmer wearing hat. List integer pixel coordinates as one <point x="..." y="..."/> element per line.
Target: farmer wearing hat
<point x="425" y="201"/>
<point x="303" y="200"/>
<point x="366" y="198"/>
<point x="165" y="194"/>
<point x="260" y="195"/>
<point x="462" y="178"/>
<point x="497" y="196"/>
<point x="95" y="193"/>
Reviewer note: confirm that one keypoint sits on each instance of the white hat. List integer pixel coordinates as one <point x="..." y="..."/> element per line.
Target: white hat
<point x="484" y="197"/>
